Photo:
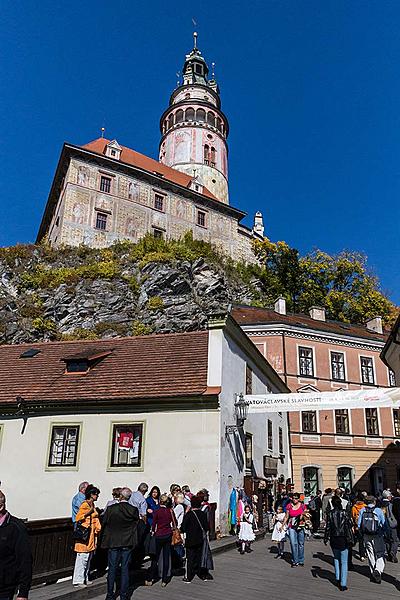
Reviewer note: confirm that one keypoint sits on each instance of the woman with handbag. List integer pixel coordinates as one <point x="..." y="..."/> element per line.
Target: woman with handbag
<point x="85" y="535"/>
<point x="198" y="554"/>
<point x="161" y="528"/>
<point x="339" y="531"/>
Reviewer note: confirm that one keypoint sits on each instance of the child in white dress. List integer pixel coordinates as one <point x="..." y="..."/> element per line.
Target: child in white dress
<point x="279" y="532"/>
<point x="246" y="532"/>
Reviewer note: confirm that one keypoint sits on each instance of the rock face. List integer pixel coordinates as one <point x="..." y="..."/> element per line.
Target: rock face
<point x="46" y="296"/>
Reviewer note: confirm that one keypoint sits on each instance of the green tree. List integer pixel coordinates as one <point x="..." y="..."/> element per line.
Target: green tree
<point x="341" y="283"/>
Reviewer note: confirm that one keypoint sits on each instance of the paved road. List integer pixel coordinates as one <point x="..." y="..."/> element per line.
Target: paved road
<point x="259" y="576"/>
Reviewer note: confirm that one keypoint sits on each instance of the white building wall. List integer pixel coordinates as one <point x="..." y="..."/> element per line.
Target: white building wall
<point x="179" y="447"/>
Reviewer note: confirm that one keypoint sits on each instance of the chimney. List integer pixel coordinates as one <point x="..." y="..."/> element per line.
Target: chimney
<point x="280" y="305"/>
<point x="317" y="313"/>
<point x="375" y="324"/>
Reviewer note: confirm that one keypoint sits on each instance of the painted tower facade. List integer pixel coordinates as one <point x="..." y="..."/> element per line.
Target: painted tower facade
<point x="195" y="130"/>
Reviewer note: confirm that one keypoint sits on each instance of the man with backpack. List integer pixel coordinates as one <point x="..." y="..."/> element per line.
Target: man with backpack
<point x="372" y="526"/>
<point x="392" y="541"/>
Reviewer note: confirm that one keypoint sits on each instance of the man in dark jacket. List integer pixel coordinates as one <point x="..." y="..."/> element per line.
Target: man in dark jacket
<point x="119" y="536"/>
<point x="15" y="556"/>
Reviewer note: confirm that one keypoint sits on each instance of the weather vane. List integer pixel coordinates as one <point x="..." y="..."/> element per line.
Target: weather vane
<point x="102" y="131"/>
<point x="194" y="35"/>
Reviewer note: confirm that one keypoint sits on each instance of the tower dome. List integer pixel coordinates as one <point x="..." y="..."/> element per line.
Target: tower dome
<point x="194" y="129"/>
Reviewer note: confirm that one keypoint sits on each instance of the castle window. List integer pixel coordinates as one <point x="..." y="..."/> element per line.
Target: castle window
<point x="113" y="153"/>
<point x="159" y="202"/>
<point x="105" y="184"/>
<point x="211" y="119"/>
<point x="179" y="116"/>
<point x="367" y="369"/>
<point x="158" y="233"/>
<point x="101" y="221"/>
<point x="206" y="154"/>
<point x="64" y="446"/>
<point x="219" y="124"/>
<point x="199" y="69"/>
<point x="189" y="115"/>
<point x="212" y="162"/>
<point x="187" y="96"/>
<point x="170" y="121"/>
<point x="200" y="115"/>
<point x="201" y="218"/>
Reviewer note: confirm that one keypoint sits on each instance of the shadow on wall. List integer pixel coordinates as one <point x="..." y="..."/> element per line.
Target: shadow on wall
<point x="382" y="474"/>
<point x="236" y="443"/>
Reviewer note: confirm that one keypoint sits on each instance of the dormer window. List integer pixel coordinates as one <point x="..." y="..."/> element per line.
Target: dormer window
<point x="82" y="363"/>
<point x="113" y="150"/>
<point x="199" y="69"/>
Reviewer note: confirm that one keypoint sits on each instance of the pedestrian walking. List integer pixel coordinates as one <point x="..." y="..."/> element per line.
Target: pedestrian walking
<point x="280" y="531"/>
<point x="325" y="501"/>
<point x="246" y="532"/>
<point x="86" y="533"/>
<point x="355" y="513"/>
<point x="315" y="506"/>
<point x="78" y="499"/>
<point x="15" y="556"/>
<point x="198" y="555"/>
<point x="391" y="539"/>
<point x="371" y="523"/>
<point x="162" y="530"/>
<point x="296" y="533"/>
<point x="339" y="532"/>
<point x="119" y="537"/>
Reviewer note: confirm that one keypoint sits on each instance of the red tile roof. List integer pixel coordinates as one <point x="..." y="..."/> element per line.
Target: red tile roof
<point x="131" y="157"/>
<point x="153" y="366"/>
<point x="248" y="315"/>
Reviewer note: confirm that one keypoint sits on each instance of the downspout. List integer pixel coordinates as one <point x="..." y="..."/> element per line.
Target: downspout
<point x="287" y="414"/>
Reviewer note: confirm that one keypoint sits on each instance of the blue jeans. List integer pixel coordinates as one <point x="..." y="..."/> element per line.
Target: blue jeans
<point x="296" y="539"/>
<point x="117" y="557"/>
<point x="340" y="558"/>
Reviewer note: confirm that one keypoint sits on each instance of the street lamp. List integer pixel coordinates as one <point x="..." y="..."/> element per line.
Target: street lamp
<point x="241" y="412"/>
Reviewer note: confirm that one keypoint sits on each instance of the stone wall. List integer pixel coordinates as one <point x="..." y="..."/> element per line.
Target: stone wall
<point x="131" y="214"/>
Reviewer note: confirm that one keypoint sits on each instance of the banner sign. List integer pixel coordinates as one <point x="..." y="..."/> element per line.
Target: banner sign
<point x="376" y="398"/>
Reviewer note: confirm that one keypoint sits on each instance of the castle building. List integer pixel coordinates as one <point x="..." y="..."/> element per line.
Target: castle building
<point x="355" y="448"/>
<point x="103" y="192"/>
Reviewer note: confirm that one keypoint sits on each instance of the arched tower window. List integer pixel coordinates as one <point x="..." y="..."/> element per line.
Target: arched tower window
<point x="164" y="126"/>
<point x="189" y="115"/>
<point x="212" y="157"/>
<point x="211" y="119"/>
<point x="206" y="154"/>
<point x="179" y="116"/>
<point x="219" y="124"/>
<point x="200" y="115"/>
<point x="170" y="121"/>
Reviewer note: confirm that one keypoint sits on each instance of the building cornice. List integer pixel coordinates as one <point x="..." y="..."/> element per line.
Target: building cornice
<point x="314" y="335"/>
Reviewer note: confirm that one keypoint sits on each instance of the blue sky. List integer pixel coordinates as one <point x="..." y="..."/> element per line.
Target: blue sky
<point x="311" y="89"/>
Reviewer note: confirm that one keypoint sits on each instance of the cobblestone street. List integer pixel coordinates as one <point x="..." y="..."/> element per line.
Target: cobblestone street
<point x="260" y="575"/>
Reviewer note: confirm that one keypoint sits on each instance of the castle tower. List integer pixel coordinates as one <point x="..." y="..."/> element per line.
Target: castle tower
<point x="194" y="129"/>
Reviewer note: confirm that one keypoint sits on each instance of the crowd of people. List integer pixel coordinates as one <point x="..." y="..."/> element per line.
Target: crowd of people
<point x="350" y="519"/>
<point x="171" y="528"/>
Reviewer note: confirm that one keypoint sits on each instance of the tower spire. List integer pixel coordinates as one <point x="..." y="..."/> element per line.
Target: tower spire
<point x="195" y="40"/>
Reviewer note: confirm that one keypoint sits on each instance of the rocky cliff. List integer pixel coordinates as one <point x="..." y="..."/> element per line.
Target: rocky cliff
<point x="81" y="293"/>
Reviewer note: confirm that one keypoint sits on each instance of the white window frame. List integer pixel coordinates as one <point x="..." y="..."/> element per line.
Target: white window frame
<point x="308" y="377"/>
<point x="393" y="428"/>
<point x="350" y="424"/>
<point x="318" y="432"/>
<point x="320" y="475"/>
<point x="368" y="435"/>
<point x="331" y="351"/>
<point x="353" y="472"/>
<point x="360" y="356"/>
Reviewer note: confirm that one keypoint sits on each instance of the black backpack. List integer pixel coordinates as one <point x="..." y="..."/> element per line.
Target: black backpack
<point x="369" y="522"/>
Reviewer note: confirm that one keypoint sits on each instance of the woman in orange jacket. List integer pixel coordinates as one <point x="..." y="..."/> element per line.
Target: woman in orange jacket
<point x="87" y="517"/>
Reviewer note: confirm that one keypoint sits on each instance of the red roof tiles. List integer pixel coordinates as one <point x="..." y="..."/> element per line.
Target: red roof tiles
<point x="154" y="366"/>
<point x="248" y="315"/>
<point x="131" y="157"/>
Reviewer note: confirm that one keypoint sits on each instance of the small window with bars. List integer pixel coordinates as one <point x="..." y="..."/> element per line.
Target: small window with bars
<point x="367" y="369"/>
<point x="269" y="435"/>
<point x="158" y="233"/>
<point x="101" y="221"/>
<point x="64" y="446"/>
<point x="309" y="421"/>
<point x="306" y="362"/>
<point x="337" y="366"/>
<point x="371" y="419"/>
<point x="342" y="421"/>
<point x="248" y="447"/>
<point x="280" y="440"/>
<point x="159" y="202"/>
<point x="201" y="218"/>
<point x="396" y="422"/>
<point x="105" y="184"/>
